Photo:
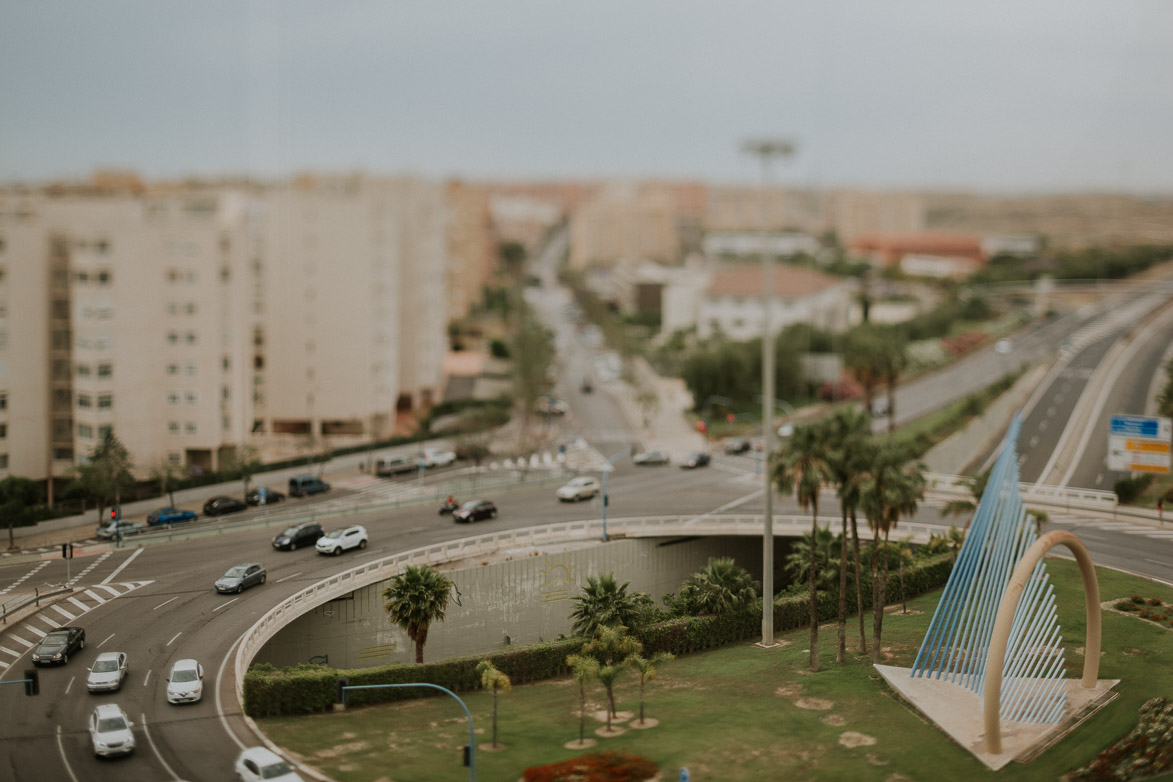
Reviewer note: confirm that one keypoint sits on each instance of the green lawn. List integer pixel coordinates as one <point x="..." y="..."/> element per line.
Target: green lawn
<point x="744" y="713"/>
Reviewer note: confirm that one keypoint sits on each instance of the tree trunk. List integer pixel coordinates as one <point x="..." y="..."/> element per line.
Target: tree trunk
<point x="581" y="711"/>
<point x="903" y="598"/>
<point x="11" y="535"/>
<point x="814" y="595"/>
<point x="891" y="405"/>
<point x="841" y="647"/>
<point x="863" y="636"/>
<point x="494" y="717"/>
<point x="877" y="602"/>
<point x="610" y="708"/>
<point x="641" y="700"/>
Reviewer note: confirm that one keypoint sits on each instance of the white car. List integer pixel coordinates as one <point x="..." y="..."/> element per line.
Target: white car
<point x="185" y="684"/>
<point x="107" y="672"/>
<point x="110" y="731"/>
<point x="339" y="540"/>
<point x="437" y="457"/>
<point x="583" y="487"/>
<point x="258" y="764"/>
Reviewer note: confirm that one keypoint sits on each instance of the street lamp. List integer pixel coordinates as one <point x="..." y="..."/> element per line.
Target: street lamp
<point x="765" y="150"/>
<point x="610" y="461"/>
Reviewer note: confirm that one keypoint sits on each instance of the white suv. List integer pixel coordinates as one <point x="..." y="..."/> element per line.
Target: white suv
<point x="339" y="540"/>
<point x="110" y="731"/>
<point x="438" y="457"/>
<point x="583" y="487"/>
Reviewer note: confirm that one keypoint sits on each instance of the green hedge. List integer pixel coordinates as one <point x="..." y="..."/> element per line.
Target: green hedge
<point x="269" y="692"/>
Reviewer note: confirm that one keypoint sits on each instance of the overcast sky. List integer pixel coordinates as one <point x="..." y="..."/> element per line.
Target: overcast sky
<point x="1042" y="95"/>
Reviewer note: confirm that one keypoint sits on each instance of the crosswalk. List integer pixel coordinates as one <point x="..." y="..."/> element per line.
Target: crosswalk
<point x="1153" y="533"/>
<point x="20" y="638"/>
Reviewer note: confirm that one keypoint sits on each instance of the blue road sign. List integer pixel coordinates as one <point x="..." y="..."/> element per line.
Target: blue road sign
<point x="1136" y="425"/>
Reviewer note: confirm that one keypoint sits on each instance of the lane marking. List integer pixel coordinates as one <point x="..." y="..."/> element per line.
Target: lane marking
<point x="24" y="578"/>
<point x="6" y="650"/>
<point x="120" y="568"/>
<point x="64" y="760"/>
<point x="165" y="602"/>
<point x="225" y="605"/>
<point x="71" y="678"/>
<point x="219" y="703"/>
<point x="94" y="596"/>
<point x="68" y="616"/>
<point x="147" y="679"/>
<point x="155" y="749"/>
<point x="84" y="608"/>
<point x="280" y="580"/>
<point x="174" y="637"/>
<point x="107" y="638"/>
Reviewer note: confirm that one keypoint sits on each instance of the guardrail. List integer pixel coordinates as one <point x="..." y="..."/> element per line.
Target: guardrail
<point x="1063" y="496"/>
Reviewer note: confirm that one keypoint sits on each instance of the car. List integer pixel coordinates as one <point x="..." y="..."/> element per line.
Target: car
<point x="586" y="387"/>
<point x="259" y="763"/>
<point x="185" y="683"/>
<point x="305" y="485"/>
<point x="219" y="506"/>
<point x="58" y="644"/>
<point x="304" y="534"/>
<point x="240" y="577"/>
<point x="438" y="457"/>
<point x="880" y="408"/>
<point x="396" y="465"/>
<point x="651" y="458"/>
<point x="107" y="673"/>
<point x="262" y="495"/>
<point x="1003" y="346"/>
<point x="171" y="515"/>
<point x="583" y="487"/>
<point x="120" y="528"/>
<point x="737" y="445"/>
<point x="549" y="405"/>
<point x="339" y="540"/>
<point x="474" y="510"/>
<point x="694" y="460"/>
<point x="110" y="731"/>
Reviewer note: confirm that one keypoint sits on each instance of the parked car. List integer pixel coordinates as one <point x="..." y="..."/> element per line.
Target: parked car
<point x="171" y="516"/>
<point x="737" y="445"/>
<point x="262" y="495"/>
<point x="584" y="487"/>
<point x="339" y="540"/>
<point x="120" y="528"/>
<point x="651" y="458"/>
<point x="396" y="465"/>
<point x="240" y="577"/>
<point x="107" y="672"/>
<point x="694" y="460"/>
<point x="474" y="510"/>
<point x="549" y="405"/>
<point x="305" y="534"/>
<point x="220" y="506"/>
<point x="110" y="731"/>
<point x="58" y="644"/>
<point x="259" y="764"/>
<point x="438" y="457"/>
<point x="305" y="485"/>
<point x="185" y="683"/>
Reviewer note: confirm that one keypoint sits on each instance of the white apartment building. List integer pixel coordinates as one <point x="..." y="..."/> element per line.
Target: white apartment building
<point x="194" y="320"/>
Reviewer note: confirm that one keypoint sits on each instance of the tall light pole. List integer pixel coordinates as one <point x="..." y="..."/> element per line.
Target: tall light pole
<point x="765" y="150"/>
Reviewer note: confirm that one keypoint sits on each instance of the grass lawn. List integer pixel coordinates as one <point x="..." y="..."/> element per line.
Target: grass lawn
<point x="744" y="713"/>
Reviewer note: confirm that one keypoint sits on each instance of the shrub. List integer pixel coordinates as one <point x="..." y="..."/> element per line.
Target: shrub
<point x="1137" y="599"/>
<point x="1143" y="753"/>
<point x="1154" y="601"/>
<point x="595" y="767"/>
<point x="1125" y="605"/>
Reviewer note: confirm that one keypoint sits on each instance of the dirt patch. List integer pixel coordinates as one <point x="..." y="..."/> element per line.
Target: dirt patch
<point x="788" y="690"/>
<point x="834" y="720"/>
<point x="1132" y="651"/>
<point x="898" y="612"/>
<point x="341" y="749"/>
<point x="576" y="744"/>
<point x="619" y="716"/>
<point x="614" y="731"/>
<point x="814" y="704"/>
<point x="648" y="723"/>
<point x="851" y="740"/>
<point x="876" y="760"/>
<point x="897" y="778"/>
<point x="490" y="747"/>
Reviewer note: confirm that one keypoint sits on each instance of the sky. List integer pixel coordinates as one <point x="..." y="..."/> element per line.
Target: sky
<point x="996" y="96"/>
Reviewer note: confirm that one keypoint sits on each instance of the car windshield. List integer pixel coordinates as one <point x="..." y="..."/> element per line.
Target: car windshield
<point x="235" y="572"/>
<point x="470" y="505"/>
<point x="105" y="666"/>
<point x="289" y="532"/>
<point x="275" y="770"/>
<point x="107" y="724"/>
<point x="187" y="675"/>
<point x="56" y="639"/>
<point x="335" y="533"/>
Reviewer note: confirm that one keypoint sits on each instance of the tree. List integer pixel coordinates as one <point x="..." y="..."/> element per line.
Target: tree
<point x="827" y="562"/>
<point x="167" y="475"/>
<point x="1041" y="518"/>
<point x="245" y="461"/>
<point x="107" y="474"/>
<point x="417" y="597"/>
<point x="606" y="603"/>
<point x="18" y="498"/>
<point x="612" y="647"/>
<point x="493" y="679"/>
<point x="962" y="505"/>
<point x="801" y="468"/>
<point x="646" y="666"/>
<point x="905" y="553"/>
<point x="720" y="587"/>
<point x="584" y="668"/>
<point x="892" y="361"/>
<point x="863" y="357"/>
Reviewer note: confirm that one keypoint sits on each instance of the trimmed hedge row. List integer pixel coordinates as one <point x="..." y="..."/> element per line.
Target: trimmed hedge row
<point x="269" y="692"/>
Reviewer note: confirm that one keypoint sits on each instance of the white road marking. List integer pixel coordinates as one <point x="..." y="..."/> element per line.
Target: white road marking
<point x="295" y="575"/>
<point x="165" y="602"/>
<point x="219" y="704"/>
<point x="95" y="597"/>
<point x="104" y="640"/>
<point x="36" y="630"/>
<point x="68" y="616"/>
<point x="84" y="608"/>
<point x="6" y="650"/>
<point x="64" y="760"/>
<point x="24" y="578"/>
<point x="119" y="569"/>
<point x="155" y="749"/>
<point x="71" y="678"/>
<point x="147" y="679"/>
<point x="27" y="644"/>
<point x="174" y="637"/>
<point x="225" y="605"/>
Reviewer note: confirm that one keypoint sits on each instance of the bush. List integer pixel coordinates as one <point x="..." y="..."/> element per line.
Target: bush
<point x="1125" y="605"/>
<point x="1143" y="753"/>
<point x="595" y="767"/>
<point x="1129" y="489"/>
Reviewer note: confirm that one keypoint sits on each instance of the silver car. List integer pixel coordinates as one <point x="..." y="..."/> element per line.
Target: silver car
<point x="240" y="577"/>
<point x="110" y="731"/>
<point x="107" y="673"/>
<point x="185" y="684"/>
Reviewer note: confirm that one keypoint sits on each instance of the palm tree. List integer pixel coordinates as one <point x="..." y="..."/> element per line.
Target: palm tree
<point x="611" y="646"/>
<point x="417" y="597"/>
<point x="801" y="468"/>
<point x="962" y="505"/>
<point x="848" y="444"/>
<point x="493" y="679"/>
<point x="892" y="362"/>
<point x="862" y="355"/>
<point x="720" y="587"/>
<point x="646" y="666"/>
<point x="826" y="558"/>
<point x="583" y="668"/>
<point x="905" y="554"/>
<point x="893" y="488"/>
<point x="606" y="603"/>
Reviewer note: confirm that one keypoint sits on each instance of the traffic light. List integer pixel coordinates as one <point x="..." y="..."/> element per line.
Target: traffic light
<point x="67" y="551"/>
<point x="32" y="682"/>
<point x="116" y="513"/>
<point x="467" y="750"/>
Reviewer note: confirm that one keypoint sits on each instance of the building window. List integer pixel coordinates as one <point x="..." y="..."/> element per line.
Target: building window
<point x="172" y="427"/>
<point x="85" y="400"/>
<point x="172" y="337"/>
<point x="3" y="431"/>
<point x="105" y="401"/>
<point x="3" y="461"/>
<point x="225" y="363"/>
<point x="172" y="397"/>
<point x="105" y="370"/>
<point x="190" y="397"/>
<point x="191" y="338"/>
<point x="190" y="369"/>
<point x="81" y="276"/>
<point x="172" y="308"/>
<point x="225" y="423"/>
<point x="85" y="431"/>
<point x="172" y="369"/>
<point x="189" y="427"/>
<point x="83" y="370"/>
<point x="3" y="400"/>
<point x="105" y="431"/>
<point x="104" y="277"/>
<point x="174" y="458"/>
<point x="191" y="308"/>
<point x="225" y="394"/>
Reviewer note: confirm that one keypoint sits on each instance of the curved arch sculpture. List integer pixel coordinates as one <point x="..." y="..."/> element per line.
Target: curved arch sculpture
<point x="1005" y="617"/>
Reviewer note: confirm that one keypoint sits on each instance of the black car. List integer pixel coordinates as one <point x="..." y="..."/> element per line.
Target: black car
<point x="55" y="648"/>
<point x="694" y="460"/>
<point x="474" y="510"/>
<point x="219" y="506"/>
<point x="737" y="445"/>
<point x="269" y="496"/>
<point x="299" y="535"/>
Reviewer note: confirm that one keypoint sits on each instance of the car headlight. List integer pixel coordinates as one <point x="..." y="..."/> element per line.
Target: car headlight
<point x="57" y="656"/>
